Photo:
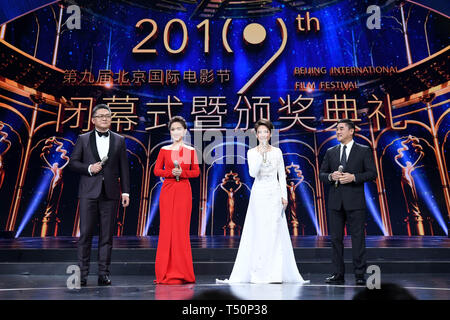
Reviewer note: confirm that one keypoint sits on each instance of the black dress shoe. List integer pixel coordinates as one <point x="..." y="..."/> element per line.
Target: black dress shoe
<point x="335" y="279"/>
<point x="360" y="281"/>
<point x="104" y="280"/>
<point x="83" y="282"/>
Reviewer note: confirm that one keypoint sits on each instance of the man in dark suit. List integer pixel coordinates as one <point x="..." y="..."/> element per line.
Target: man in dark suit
<point x="100" y="157"/>
<point x="346" y="199"/>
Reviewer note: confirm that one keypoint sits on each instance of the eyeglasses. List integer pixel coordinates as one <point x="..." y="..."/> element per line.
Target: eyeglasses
<point x="103" y="116"/>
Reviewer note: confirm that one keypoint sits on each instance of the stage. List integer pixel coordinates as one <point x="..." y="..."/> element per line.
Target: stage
<point x="35" y="268"/>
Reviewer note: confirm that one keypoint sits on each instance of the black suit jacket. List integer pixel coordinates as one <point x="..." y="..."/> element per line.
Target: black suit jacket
<point x="85" y="153"/>
<point x="360" y="163"/>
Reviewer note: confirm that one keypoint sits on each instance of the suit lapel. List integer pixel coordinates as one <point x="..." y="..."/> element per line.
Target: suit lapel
<point x="337" y="158"/>
<point x="93" y="145"/>
<point x="112" y="144"/>
<point x="352" y="154"/>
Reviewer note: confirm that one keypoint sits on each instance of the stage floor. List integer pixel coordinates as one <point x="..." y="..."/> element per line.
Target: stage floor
<point x="135" y="256"/>
<point x="36" y="268"/>
<point x="422" y="286"/>
<point x="217" y="242"/>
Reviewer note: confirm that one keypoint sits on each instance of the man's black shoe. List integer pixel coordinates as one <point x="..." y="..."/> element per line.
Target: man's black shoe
<point x="335" y="279"/>
<point x="104" y="280"/>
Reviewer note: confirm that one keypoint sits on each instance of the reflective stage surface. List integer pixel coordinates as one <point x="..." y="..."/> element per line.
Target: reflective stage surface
<point x="421" y="286"/>
<point x="36" y="268"/>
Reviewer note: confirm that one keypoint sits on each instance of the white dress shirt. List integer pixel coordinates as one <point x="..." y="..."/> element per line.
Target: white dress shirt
<point x="347" y="151"/>
<point x="102" y="145"/>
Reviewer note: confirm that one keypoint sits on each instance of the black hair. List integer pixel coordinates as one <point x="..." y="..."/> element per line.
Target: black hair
<point x="179" y="119"/>
<point x="100" y="106"/>
<point x="350" y="124"/>
<point x="264" y="122"/>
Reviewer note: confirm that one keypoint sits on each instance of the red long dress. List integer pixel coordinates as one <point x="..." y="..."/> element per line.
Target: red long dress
<point x="173" y="263"/>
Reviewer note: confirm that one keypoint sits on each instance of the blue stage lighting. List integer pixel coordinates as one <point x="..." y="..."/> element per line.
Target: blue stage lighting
<point x="153" y="207"/>
<point x="34" y="204"/>
<point x="373" y="210"/>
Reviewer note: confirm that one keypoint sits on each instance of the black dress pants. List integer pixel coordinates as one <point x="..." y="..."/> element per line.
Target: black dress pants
<point x="355" y="222"/>
<point x="103" y="211"/>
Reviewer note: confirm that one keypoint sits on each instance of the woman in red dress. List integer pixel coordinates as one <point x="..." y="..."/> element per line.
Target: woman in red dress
<point x="173" y="263"/>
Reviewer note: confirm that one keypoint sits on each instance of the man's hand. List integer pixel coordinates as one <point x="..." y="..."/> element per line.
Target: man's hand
<point x="346" y="178"/>
<point x="336" y="175"/>
<point x="96" y="167"/>
<point x="125" y="200"/>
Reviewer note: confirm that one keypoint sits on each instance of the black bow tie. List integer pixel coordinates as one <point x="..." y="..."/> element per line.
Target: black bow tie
<point x="101" y="134"/>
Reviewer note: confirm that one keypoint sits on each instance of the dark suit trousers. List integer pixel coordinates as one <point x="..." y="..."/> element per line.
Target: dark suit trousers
<point x="100" y="210"/>
<point x="355" y="225"/>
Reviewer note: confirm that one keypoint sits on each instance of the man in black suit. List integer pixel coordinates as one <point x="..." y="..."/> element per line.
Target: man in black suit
<point x="346" y="199"/>
<point x="100" y="157"/>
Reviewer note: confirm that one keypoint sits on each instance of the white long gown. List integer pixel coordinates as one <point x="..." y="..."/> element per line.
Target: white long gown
<point x="265" y="252"/>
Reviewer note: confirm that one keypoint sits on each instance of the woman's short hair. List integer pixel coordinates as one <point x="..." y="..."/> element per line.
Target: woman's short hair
<point x="263" y="122"/>
<point x="179" y="119"/>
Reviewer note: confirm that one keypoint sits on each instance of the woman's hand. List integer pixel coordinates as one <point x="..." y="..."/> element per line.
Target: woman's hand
<point x="284" y="202"/>
<point x="176" y="171"/>
<point x="263" y="148"/>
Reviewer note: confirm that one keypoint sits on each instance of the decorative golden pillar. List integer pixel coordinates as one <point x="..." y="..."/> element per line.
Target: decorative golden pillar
<point x="321" y="214"/>
<point x="76" y="225"/>
<point x="430" y="225"/>
<point x="202" y="210"/>
<point x="405" y="34"/>
<point x="3" y="140"/>
<point x="439" y="158"/>
<point x="145" y="190"/>
<point x="2" y="31"/>
<point x="14" y="210"/>
<point x="382" y="199"/>
<point x="58" y="34"/>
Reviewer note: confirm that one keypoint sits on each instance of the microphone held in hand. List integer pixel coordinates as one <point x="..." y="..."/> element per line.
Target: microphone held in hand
<point x="177" y="166"/>
<point x="104" y="159"/>
<point x="264" y="144"/>
<point x="340" y="169"/>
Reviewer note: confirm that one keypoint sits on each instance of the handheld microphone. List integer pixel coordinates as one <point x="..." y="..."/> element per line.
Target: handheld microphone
<point x="175" y="163"/>
<point x="264" y="143"/>
<point x="104" y="159"/>
<point x="340" y="169"/>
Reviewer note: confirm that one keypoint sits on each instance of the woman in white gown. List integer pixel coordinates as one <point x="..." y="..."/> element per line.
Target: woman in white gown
<point x="265" y="252"/>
